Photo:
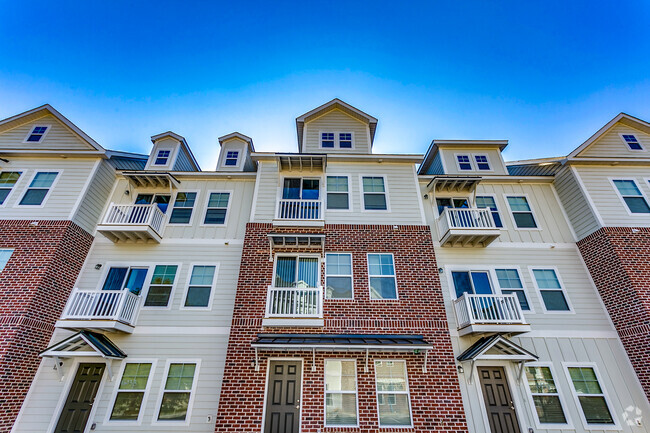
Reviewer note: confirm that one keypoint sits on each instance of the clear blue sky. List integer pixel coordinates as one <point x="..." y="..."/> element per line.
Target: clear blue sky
<point x="544" y="75"/>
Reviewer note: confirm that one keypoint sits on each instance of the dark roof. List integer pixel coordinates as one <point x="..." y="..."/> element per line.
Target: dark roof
<point x="534" y="169"/>
<point x="98" y="342"/>
<point x="339" y="340"/>
<point x="127" y="163"/>
<point x="497" y="341"/>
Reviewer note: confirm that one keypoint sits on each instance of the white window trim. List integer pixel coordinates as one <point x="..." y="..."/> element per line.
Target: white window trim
<point x="169" y="157"/>
<point x="621" y="134"/>
<point x="140" y="265"/>
<point x="212" y="288"/>
<point x="111" y="405"/>
<point x="471" y="162"/>
<point x="145" y="289"/>
<point x="407" y="392"/>
<point x="173" y="156"/>
<point x="539" y="291"/>
<point x="434" y="203"/>
<point x="59" y="174"/>
<point x="207" y="201"/>
<point x="489" y="163"/>
<point x="321" y="260"/>
<point x="338" y="275"/>
<point x="463" y="268"/>
<point x="382" y="276"/>
<point x="321" y="187"/>
<point x="190" y="404"/>
<point x="496" y="203"/>
<point x="608" y="401"/>
<point x="512" y="216"/>
<point x="266" y="387"/>
<point x="363" y="203"/>
<point x="337" y="144"/>
<point x="356" y="392"/>
<point x="31" y="130"/>
<point x="170" y="209"/>
<point x="620" y="196"/>
<point x="240" y="154"/>
<point x="527" y="293"/>
<point x="17" y="185"/>
<point x="349" y="209"/>
<point x="529" y="394"/>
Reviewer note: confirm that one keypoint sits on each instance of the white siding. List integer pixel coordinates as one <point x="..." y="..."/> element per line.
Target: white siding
<point x="611" y="145"/>
<point x="58" y="137"/>
<point x="575" y="203"/>
<point x="336" y="121"/>
<point x="494" y="156"/>
<point x="90" y="209"/>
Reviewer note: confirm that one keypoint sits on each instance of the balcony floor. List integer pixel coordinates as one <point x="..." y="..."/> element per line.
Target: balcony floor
<point x="131" y="232"/>
<point x="94" y="325"/>
<point x="469" y="238"/>
<point x="515" y="328"/>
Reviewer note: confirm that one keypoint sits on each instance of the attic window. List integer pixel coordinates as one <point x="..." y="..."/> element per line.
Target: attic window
<point x="162" y="158"/>
<point x="37" y="134"/>
<point x="345" y="140"/>
<point x="327" y="139"/>
<point x="482" y="162"/>
<point x="464" y="162"/>
<point x="232" y="157"/>
<point x="632" y="142"/>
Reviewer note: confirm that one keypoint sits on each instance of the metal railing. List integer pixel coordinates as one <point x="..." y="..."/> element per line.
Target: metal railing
<point x="294" y="302"/>
<point x="299" y="209"/>
<point x="135" y="214"/>
<point x="458" y="218"/>
<point x="118" y="305"/>
<point x="488" y="309"/>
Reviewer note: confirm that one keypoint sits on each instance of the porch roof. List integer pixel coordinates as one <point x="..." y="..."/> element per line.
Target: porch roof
<point x="341" y="341"/>
<point x="496" y="347"/>
<point x="79" y="343"/>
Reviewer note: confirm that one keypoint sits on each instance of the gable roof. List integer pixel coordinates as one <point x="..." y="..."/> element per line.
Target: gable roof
<point x="99" y="344"/>
<point x="38" y="112"/>
<point x="328" y="106"/>
<point x="496" y="343"/>
<point x="623" y="118"/>
<point x="239" y="135"/>
<point x="179" y="138"/>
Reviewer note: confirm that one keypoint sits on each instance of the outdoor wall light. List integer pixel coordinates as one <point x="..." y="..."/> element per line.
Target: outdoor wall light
<point x="98" y="266"/>
<point x="461" y="370"/>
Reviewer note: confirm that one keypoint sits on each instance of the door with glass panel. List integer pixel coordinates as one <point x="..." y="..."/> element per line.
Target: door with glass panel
<point x="300" y="199"/>
<point x="283" y="397"/>
<point x="118" y="280"/>
<point x="296" y="288"/>
<point x="482" y="308"/>
<point x="140" y="214"/>
<point x="457" y="218"/>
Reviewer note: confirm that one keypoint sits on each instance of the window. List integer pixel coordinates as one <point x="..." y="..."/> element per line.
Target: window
<point x="590" y="396"/>
<point x="340" y="393"/>
<point x="39" y="188"/>
<point x="510" y="283"/>
<point x="546" y="396"/>
<point x="330" y="140"/>
<point x="162" y="200"/>
<point x="631" y="142"/>
<point x="374" y="193"/>
<point x="338" y="276"/>
<point x="551" y="290"/>
<point x="327" y="139"/>
<point x="125" y="278"/>
<point x="5" y="255"/>
<point x="472" y="282"/>
<point x="177" y="391"/>
<point x="37" y="134"/>
<point x="456" y="203"/>
<point x="232" y="157"/>
<point x="296" y="271"/>
<point x="522" y="213"/>
<point x="160" y="288"/>
<point x="217" y="208"/>
<point x="632" y="196"/>
<point x="8" y="180"/>
<point x="131" y="391"/>
<point x="482" y="162"/>
<point x="464" y="163"/>
<point x="300" y="189"/>
<point x="183" y="205"/>
<point x="162" y="158"/>
<point x="392" y="393"/>
<point x="200" y="286"/>
<point x="381" y="273"/>
<point x="490" y="203"/>
<point x="345" y="140"/>
<point x="337" y="192"/>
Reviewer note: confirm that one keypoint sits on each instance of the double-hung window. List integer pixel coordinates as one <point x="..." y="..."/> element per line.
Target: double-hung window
<point x="125" y="278"/>
<point x="546" y="396"/>
<point x="550" y="289"/>
<point x="179" y="385"/>
<point x="631" y="141"/>
<point x="590" y="396"/>
<point x="37" y="133"/>
<point x="510" y="283"/>
<point x="374" y="193"/>
<point x="381" y="275"/>
<point x="482" y="162"/>
<point x="340" y="393"/>
<point x="163" y="157"/>
<point x="338" y="196"/>
<point x="464" y="162"/>
<point x="183" y="206"/>
<point x="39" y="188"/>
<point x="217" y="208"/>
<point x="338" y="276"/>
<point x="199" y="290"/>
<point x="327" y="139"/>
<point x="345" y="140"/>
<point x="5" y="255"/>
<point x="8" y="180"/>
<point x="472" y="282"/>
<point x="297" y="271"/>
<point x="488" y="202"/>
<point x="160" y="288"/>
<point x="521" y="212"/>
<point x="131" y="391"/>
<point x="232" y="157"/>
<point x="631" y="195"/>
<point x="392" y="394"/>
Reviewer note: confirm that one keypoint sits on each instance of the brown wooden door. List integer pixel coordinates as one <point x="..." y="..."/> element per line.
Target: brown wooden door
<point x="283" y="397"/>
<point x="81" y="397"/>
<point x="498" y="400"/>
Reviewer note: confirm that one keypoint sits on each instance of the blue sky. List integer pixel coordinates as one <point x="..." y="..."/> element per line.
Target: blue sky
<point x="544" y="75"/>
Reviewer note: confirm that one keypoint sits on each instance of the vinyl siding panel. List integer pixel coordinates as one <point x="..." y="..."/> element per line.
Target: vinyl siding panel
<point x="436" y="166"/>
<point x="93" y="203"/>
<point x="611" y="145"/>
<point x="336" y="121"/>
<point x="184" y="162"/>
<point x="58" y="137"/>
<point x="494" y="157"/>
<point x="267" y="186"/>
<point x="575" y="203"/>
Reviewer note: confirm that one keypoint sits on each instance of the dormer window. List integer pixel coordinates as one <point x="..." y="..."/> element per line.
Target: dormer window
<point x="232" y="157"/>
<point x="464" y="162"/>
<point x="482" y="162"/>
<point x="333" y="140"/>
<point x="163" y="157"/>
<point x="345" y="140"/>
<point x="327" y="139"/>
<point x="632" y="142"/>
<point x="37" y="134"/>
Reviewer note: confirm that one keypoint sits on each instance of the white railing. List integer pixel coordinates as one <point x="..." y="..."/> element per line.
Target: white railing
<point x="299" y="209"/>
<point x="118" y="305"/>
<point x="471" y="219"/>
<point x="488" y="310"/>
<point x="135" y="214"/>
<point x="294" y="302"/>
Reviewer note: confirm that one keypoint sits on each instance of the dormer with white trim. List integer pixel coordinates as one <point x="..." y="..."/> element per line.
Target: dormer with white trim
<point x="170" y="152"/>
<point x="465" y="157"/>
<point x="235" y="153"/>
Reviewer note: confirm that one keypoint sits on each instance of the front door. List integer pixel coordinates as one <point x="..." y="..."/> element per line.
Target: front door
<point x="283" y="397"/>
<point x="498" y="400"/>
<point x="81" y="397"/>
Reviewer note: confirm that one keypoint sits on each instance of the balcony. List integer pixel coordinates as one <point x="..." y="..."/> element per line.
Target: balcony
<point x="133" y="222"/>
<point x="110" y="310"/>
<point x="298" y="212"/>
<point x="467" y="227"/>
<point x="479" y="314"/>
<point x="294" y="306"/>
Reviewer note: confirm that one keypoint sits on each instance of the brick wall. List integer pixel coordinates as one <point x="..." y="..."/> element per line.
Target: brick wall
<point x="34" y="287"/>
<point x="618" y="259"/>
<point x="435" y="396"/>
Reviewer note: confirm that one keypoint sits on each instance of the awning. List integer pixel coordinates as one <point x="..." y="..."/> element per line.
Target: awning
<point x="84" y="343"/>
<point x="150" y="179"/>
<point x="302" y="162"/>
<point x="454" y="183"/>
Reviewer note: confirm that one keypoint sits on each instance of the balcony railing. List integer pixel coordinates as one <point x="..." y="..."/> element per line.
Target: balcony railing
<point x="294" y="302"/>
<point x="300" y="209"/>
<point x="467" y="226"/>
<point x="133" y="222"/>
<point x="488" y="310"/>
<point x="102" y="305"/>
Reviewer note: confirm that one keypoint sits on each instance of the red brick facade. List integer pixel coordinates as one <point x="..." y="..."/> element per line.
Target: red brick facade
<point x="34" y="287"/>
<point x="618" y="259"/>
<point x="434" y="396"/>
